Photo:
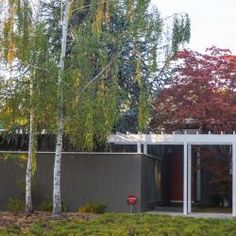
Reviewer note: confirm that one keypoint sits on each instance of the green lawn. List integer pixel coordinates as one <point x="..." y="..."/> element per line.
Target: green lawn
<point x="126" y="224"/>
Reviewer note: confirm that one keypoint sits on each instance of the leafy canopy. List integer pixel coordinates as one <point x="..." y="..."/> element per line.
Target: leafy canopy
<point x="202" y="94"/>
<point x="112" y="62"/>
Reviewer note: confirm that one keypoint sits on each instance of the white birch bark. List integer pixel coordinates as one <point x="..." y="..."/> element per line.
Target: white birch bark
<point x="57" y="210"/>
<point x="28" y="176"/>
<point x="35" y="6"/>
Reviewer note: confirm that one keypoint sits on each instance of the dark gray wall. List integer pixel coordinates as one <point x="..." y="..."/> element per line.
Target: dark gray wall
<point x="103" y="178"/>
<point x="11" y="181"/>
<point x="106" y="179"/>
<point x="150" y="183"/>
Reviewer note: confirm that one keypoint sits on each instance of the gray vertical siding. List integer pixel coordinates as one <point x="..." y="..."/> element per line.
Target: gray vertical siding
<point x="106" y="179"/>
<point x="103" y="178"/>
<point x="11" y="182"/>
<point x="149" y="183"/>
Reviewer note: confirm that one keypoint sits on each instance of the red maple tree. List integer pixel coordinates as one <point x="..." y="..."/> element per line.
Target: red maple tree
<point x="202" y="95"/>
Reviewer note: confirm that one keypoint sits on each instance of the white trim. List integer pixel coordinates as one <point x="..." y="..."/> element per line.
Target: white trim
<point x="145" y="148"/>
<point x="172" y="139"/>
<point x="189" y="179"/>
<point x="139" y="147"/>
<point x="234" y="179"/>
<point x="185" y="180"/>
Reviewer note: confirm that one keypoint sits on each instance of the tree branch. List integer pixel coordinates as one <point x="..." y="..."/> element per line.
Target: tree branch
<point x="98" y="75"/>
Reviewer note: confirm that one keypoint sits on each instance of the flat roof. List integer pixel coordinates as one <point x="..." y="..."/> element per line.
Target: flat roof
<point x="172" y="139"/>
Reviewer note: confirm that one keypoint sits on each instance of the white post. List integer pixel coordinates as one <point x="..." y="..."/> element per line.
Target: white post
<point x="139" y="147"/>
<point x="234" y="179"/>
<point x="145" y="148"/>
<point x="185" y="180"/>
<point x="189" y="178"/>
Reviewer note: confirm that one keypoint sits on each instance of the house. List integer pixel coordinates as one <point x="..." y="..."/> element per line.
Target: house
<point x="156" y="168"/>
<point x="179" y="162"/>
<point x="105" y="178"/>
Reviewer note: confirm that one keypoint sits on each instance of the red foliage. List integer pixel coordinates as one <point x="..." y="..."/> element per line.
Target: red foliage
<point x="216" y="160"/>
<point x="202" y="95"/>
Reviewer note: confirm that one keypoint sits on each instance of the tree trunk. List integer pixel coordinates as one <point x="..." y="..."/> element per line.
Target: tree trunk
<point x="57" y="210"/>
<point x="28" y="176"/>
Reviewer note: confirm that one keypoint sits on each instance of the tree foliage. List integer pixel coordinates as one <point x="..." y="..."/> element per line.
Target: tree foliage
<point x="26" y="58"/>
<point x="202" y="94"/>
<point x="216" y="161"/>
<point x="113" y="58"/>
<point x="71" y="78"/>
<point x="130" y="36"/>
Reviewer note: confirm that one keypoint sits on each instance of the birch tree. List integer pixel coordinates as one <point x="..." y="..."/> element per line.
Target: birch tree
<point x="59" y="141"/>
<point x="92" y="44"/>
<point x="23" y="52"/>
<point x="16" y="27"/>
<point x="90" y="65"/>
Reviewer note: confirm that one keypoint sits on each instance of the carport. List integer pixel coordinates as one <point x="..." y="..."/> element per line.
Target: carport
<point x="187" y="140"/>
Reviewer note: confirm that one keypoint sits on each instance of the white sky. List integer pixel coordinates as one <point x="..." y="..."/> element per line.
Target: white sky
<point x="213" y="21"/>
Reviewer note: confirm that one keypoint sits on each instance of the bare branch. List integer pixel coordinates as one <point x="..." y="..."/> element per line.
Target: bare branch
<point x="98" y="75"/>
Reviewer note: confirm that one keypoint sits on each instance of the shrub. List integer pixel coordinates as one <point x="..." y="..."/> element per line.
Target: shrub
<point x="168" y="231"/>
<point x="194" y="230"/>
<point x="47" y="205"/>
<point x="16" y="205"/>
<point x="13" y="230"/>
<point x="94" y="208"/>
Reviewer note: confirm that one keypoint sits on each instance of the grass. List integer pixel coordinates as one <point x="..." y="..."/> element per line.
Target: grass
<point x="130" y="225"/>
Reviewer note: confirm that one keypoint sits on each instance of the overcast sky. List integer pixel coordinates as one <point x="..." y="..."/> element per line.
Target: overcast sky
<point x="213" y="21"/>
